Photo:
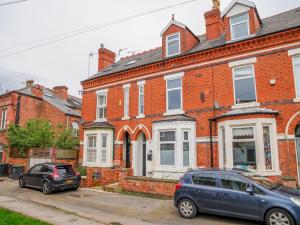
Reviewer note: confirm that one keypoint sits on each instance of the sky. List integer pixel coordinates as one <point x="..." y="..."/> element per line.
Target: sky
<point x="66" y="62"/>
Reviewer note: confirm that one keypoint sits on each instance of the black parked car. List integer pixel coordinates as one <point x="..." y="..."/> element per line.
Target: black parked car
<point x="237" y="193"/>
<point x="50" y="177"/>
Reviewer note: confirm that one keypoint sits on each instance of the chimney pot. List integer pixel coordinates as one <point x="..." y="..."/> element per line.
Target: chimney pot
<point x="29" y="83"/>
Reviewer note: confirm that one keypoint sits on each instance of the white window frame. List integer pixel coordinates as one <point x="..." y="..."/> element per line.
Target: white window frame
<point x="167" y="44"/>
<point x="183" y="142"/>
<point x="294" y="72"/>
<point x="174" y="111"/>
<point x="126" y="101"/>
<point x="108" y="163"/>
<point x="168" y="142"/>
<point x="3" y="119"/>
<point x="104" y="148"/>
<point x="91" y="148"/>
<point x="103" y="106"/>
<point x="258" y="125"/>
<point x="141" y="85"/>
<point x="246" y="104"/>
<point x="232" y="25"/>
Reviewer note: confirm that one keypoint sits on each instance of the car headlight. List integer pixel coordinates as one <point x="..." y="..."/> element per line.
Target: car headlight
<point x="296" y="201"/>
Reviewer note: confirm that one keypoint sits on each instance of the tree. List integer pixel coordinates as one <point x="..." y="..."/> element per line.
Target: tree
<point x="66" y="139"/>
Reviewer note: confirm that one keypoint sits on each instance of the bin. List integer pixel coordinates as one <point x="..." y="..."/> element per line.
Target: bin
<point x="16" y="171"/>
<point x="3" y="169"/>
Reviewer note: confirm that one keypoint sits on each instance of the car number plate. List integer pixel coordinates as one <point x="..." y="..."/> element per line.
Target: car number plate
<point x="69" y="181"/>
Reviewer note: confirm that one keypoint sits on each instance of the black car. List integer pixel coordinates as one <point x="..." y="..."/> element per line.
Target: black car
<point x="237" y="193"/>
<point x="50" y="177"/>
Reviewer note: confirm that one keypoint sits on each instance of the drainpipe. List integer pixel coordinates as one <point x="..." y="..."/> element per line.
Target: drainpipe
<point x="211" y="121"/>
<point x="17" y="120"/>
<point x="113" y="153"/>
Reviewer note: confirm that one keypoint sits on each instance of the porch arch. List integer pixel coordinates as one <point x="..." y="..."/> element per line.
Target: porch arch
<point x="292" y="124"/>
<point x="141" y="128"/>
<point x="122" y="131"/>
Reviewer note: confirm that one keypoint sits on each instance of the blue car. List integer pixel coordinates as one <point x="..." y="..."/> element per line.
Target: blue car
<point x="237" y="193"/>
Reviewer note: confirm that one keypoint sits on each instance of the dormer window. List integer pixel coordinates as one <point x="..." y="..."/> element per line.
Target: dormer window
<point x="240" y="26"/>
<point x="173" y="44"/>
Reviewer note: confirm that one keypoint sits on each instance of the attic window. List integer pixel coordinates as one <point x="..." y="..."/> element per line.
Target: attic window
<point x="173" y="45"/>
<point x="240" y="26"/>
<point x="131" y="62"/>
<point x="49" y="95"/>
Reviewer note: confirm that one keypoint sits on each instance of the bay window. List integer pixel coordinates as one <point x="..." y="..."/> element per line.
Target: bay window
<point x="186" y="148"/>
<point x="91" y="148"/>
<point x="103" y="147"/>
<point x="244" y="84"/>
<point x="239" y="26"/>
<point x="173" y="45"/>
<point x="167" y="148"/>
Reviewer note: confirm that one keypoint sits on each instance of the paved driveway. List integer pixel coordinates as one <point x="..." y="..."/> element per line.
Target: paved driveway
<point x="91" y="207"/>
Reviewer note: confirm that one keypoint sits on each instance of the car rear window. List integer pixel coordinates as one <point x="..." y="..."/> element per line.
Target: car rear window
<point x="205" y="179"/>
<point x="65" y="170"/>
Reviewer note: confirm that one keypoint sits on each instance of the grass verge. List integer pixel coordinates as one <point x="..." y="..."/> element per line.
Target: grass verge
<point x="8" y="217"/>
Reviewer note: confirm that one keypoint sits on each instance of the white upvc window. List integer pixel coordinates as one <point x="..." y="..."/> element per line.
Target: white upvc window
<point x="101" y="105"/>
<point x="174" y="101"/>
<point x="3" y="118"/>
<point x="186" y="148"/>
<point x="126" y="89"/>
<point x="91" y="151"/>
<point x="98" y="148"/>
<point x="141" y="105"/>
<point x="167" y="140"/>
<point x="296" y="66"/>
<point x="249" y="144"/>
<point x="173" y="45"/>
<point x="244" y="84"/>
<point x="240" y="26"/>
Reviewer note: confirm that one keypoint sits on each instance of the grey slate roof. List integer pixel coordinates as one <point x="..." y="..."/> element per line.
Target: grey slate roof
<point x="175" y="118"/>
<point x="273" y="24"/>
<point x="68" y="107"/>
<point x="247" y="111"/>
<point x="90" y="125"/>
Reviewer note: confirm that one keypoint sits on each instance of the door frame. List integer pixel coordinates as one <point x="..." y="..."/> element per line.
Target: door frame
<point x="127" y="144"/>
<point x="297" y="139"/>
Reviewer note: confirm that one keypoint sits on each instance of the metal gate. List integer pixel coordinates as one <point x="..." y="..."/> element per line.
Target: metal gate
<point x="39" y="155"/>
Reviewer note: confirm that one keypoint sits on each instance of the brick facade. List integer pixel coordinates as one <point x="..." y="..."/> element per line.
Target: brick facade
<point x="207" y="95"/>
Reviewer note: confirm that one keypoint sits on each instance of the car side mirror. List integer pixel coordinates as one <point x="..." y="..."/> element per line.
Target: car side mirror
<point x="250" y="190"/>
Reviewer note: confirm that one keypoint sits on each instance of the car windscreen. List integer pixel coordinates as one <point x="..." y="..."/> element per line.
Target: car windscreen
<point x="65" y="170"/>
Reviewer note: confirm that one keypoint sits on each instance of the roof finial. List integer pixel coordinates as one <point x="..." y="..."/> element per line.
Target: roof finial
<point x="173" y="17"/>
<point x="216" y="4"/>
<point x="102" y="46"/>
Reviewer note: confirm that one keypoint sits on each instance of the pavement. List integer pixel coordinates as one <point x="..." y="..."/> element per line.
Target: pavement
<point x="87" y="206"/>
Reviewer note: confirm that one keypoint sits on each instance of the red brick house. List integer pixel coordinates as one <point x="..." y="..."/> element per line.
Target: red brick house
<point x="228" y="98"/>
<point x="35" y="101"/>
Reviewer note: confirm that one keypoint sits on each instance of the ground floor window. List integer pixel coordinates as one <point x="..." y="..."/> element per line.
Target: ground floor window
<point x="98" y="148"/>
<point x="249" y="144"/>
<point x="1" y="152"/>
<point x="167" y="148"/>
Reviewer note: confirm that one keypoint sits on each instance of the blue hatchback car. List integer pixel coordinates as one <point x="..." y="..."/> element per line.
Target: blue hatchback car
<point x="237" y="193"/>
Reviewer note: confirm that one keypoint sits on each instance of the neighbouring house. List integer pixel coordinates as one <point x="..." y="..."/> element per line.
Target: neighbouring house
<point x="228" y="98"/>
<point x="32" y="102"/>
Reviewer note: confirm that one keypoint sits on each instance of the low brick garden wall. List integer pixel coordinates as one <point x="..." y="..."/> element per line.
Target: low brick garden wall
<point x="161" y="187"/>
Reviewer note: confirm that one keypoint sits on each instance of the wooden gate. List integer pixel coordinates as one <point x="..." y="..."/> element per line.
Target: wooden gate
<point x="40" y="155"/>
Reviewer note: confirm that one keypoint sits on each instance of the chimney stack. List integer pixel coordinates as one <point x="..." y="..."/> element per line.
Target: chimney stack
<point x="61" y="92"/>
<point x="37" y="91"/>
<point x="29" y="83"/>
<point x="213" y="22"/>
<point x="105" y="58"/>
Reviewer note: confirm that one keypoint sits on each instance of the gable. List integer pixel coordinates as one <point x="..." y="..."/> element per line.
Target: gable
<point x="172" y="23"/>
<point x="237" y="7"/>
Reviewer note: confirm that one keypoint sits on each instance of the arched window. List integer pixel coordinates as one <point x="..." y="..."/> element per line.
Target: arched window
<point x="75" y="128"/>
<point x="297" y="131"/>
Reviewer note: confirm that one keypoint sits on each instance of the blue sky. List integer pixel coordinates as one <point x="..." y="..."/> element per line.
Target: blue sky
<point x="66" y="62"/>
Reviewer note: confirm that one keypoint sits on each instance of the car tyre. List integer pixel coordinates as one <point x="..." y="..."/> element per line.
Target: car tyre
<point x="46" y="188"/>
<point x="279" y="216"/>
<point x="21" y="182"/>
<point x="187" y="208"/>
<point x="76" y="187"/>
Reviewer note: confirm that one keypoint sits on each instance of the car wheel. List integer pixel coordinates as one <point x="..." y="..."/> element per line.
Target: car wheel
<point x="21" y="182"/>
<point x="279" y="217"/>
<point x="76" y="187"/>
<point x="46" y="187"/>
<point x="187" y="209"/>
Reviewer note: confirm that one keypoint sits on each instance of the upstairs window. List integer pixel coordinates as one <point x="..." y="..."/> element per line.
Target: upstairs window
<point x="296" y="62"/>
<point x="174" y="94"/>
<point x="173" y="45"/>
<point x="141" y="99"/>
<point x="240" y="26"/>
<point x="3" y="114"/>
<point x="126" y="89"/>
<point x="244" y="84"/>
<point x="101" y="106"/>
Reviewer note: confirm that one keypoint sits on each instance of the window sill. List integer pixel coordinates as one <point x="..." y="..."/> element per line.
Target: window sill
<point x="126" y="118"/>
<point x="100" y="120"/>
<point x="245" y="105"/>
<point x="174" y="112"/>
<point x="140" y="116"/>
<point x="296" y="100"/>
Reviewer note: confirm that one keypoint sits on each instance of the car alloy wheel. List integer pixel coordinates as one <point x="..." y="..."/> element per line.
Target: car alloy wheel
<point x="279" y="217"/>
<point x="187" y="208"/>
<point x="46" y="187"/>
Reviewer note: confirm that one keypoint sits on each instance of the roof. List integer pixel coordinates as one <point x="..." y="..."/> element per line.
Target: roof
<point x="277" y="23"/>
<point x="233" y="3"/>
<point x="90" y="125"/>
<point x="172" y="22"/>
<point x="175" y="118"/>
<point x="66" y="106"/>
<point x="247" y="111"/>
